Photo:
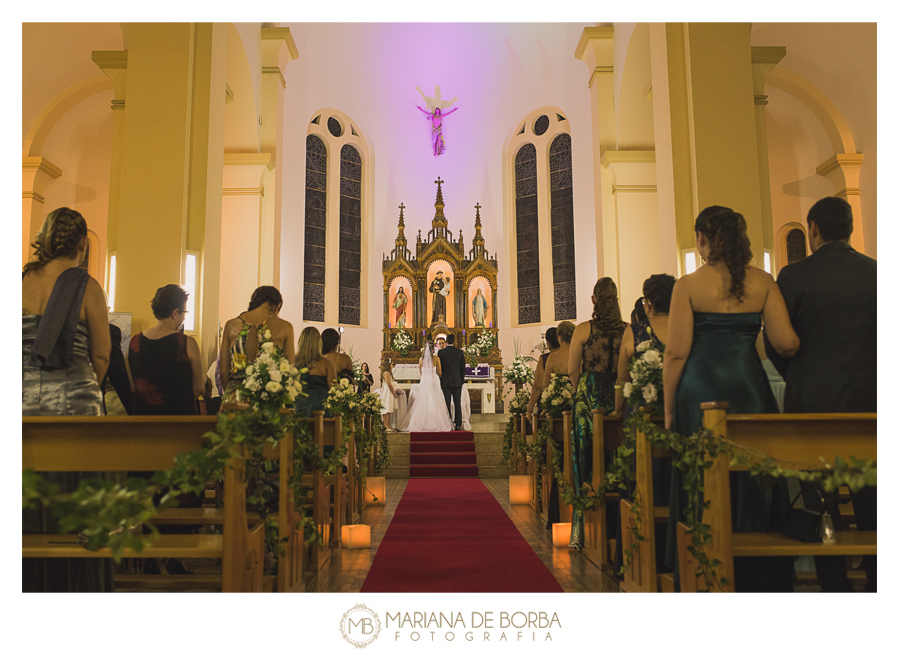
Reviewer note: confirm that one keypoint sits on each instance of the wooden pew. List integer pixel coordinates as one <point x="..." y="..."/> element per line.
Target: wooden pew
<point x="641" y="575"/>
<point x="517" y="455"/>
<point x="142" y="443"/>
<point x="327" y="517"/>
<point x="564" y="427"/>
<point x="795" y="439"/>
<point x="607" y="435"/>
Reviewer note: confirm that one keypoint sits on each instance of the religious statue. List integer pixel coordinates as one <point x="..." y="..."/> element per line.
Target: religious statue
<point x="479" y="308"/>
<point x="400" y="302"/>
<point x="440" y="287"/>
<point x="440" y="328"/>
<point x="435" y="113"/>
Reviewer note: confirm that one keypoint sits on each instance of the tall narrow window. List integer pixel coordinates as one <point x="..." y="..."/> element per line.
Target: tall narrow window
<point x="314" y="250"/>
<point x="527" y="258"/>
<point x="349" y="260"/>
<point x="562" y="228"/>
<point x="796" y="246"/>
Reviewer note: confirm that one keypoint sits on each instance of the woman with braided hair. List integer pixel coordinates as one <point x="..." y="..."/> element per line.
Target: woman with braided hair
<point x="714" y="319"/>
<point x="593" y="362"/>
<point x="65" y="354"/>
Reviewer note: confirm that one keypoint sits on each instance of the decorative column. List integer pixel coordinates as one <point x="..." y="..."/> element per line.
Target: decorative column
<point x="242" y="229"/>
<point x="595" y="48"/>
<point x="634" y="194"/>
<point x="278" y="50"/>
<point x="843" y="172"/>
<point x="36" y="173"/>
<point x="764" y="59"/>
<point x="168" y="179"/>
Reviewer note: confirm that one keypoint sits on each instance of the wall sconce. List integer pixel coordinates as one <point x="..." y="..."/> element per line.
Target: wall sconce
<point x="356" y="536"/>
<point x="520" y="490"/>
<point x="374" y="493"/>
<point x="111" y="282"/>
<point x="189" y="283"/>
<point x="562" y="533"/>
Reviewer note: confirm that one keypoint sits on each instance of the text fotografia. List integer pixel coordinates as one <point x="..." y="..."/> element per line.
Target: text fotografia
<point x="481" y="626"/>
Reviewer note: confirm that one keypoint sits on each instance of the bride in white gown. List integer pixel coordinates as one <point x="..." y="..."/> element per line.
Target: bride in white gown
<point x="428" y="412"/>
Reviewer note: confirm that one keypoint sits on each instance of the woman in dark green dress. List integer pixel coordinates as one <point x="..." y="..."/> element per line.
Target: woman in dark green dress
<point x="715" y="317"/>
<point x="319" y="375"/>
<point x="593" y="362"/>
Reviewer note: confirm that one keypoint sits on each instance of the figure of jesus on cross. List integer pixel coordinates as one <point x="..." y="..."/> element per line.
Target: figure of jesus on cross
<point x="435" y="113"/>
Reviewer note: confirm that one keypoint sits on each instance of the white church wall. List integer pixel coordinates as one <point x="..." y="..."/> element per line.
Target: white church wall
<point x="500" y="72"/>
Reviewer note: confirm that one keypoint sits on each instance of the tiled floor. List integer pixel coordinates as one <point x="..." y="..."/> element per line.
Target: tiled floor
<point x="346" y="569"/>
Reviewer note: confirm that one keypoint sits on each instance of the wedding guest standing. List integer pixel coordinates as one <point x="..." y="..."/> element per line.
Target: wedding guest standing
<point x="319" y="373"/>
<point x="164" y="365"/>
<point x="593" y="361"/>
<point x="241" y="337"/>
<point x="117" y="396"/>
<point x="537" y="385"/>
<point x="711" y="355"/>
<point x="343" y="364"/>
<point x="65" y="353"/>
<point x="366" y="385"/>
<point x="831" y="297"/>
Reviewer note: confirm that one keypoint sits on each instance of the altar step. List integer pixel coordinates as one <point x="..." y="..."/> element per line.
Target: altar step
<point x="488" y="449"/>
<point x="431" y="454"/>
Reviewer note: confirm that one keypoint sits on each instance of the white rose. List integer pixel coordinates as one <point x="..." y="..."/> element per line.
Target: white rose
<point x="294" y="371"/>
<point x="284" y="366"/>
<point x="275" y="375"/>
<point x="650" y="393"/>
<point x="274" y="387"/>
<point x="557" y="401"/>
<point x="644" y="345"/>
<point x="626" y="390"/>
<point x="652" y="357"/>
<point x="267" y="334"/>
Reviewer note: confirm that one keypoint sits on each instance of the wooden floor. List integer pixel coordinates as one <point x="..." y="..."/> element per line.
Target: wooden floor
<point x="346" y="569"/>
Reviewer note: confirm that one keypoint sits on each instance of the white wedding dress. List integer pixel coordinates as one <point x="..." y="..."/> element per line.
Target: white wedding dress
<point x="427" y="410"/>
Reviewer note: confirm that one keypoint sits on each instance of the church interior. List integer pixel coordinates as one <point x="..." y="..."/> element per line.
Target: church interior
<point x="377" y="174"/>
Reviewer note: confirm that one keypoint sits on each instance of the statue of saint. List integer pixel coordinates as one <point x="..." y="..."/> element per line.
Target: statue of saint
<point x="435" y="113"/>
<point x="400" y="302"/>
<point x="479" y="308"/>
<point x="440" y="288"/>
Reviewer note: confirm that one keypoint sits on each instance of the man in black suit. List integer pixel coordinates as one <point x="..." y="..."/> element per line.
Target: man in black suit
<point x="453" y="374"/>
<point x="832" y="300"/>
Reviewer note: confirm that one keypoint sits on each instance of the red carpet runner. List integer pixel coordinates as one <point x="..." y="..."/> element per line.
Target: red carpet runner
<point x="451" y="535"/>
<point x="442" y="454"/>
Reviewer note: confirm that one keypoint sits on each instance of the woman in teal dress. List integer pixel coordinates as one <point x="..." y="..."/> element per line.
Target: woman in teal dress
<point x="593" y="361"/>
<point x="319" y="376"/>
<point x="715" y="317"/>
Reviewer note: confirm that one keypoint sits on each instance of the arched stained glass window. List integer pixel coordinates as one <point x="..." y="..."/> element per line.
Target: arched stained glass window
<point x="562" y="228"/>
<point x="350" y="243"/>
<point x="796" y="245"/>
<point x="527" y="256"/>
<point x="314" y="234"/>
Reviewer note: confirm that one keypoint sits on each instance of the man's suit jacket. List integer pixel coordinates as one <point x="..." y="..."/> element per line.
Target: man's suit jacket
<point x="453" y="366"/>
<point x="116" y="373"/>
<point x="832" y="300"/>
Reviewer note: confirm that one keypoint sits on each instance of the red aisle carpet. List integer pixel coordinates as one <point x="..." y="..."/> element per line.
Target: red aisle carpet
<point x="451" y="535"/>
<point x="442" y="454"/>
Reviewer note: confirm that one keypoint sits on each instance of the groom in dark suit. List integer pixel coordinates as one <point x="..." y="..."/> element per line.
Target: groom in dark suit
<point x="832" y="299"/>
<point x="453" y="374"/>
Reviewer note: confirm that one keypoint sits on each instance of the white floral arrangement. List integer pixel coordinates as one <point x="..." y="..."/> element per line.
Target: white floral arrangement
<point x="645" y="387"/>
<point x="402" y="342"/>
<point x="370" y="404"/>
<point x="558" y="396"/>
<point x="519" y="403"/>
<point x="482" y="346"/>
<point x="518" y="372"/>
<point x="270" y="380"/>
<point x="342" y="398"/>
<point x="358" y="374"/>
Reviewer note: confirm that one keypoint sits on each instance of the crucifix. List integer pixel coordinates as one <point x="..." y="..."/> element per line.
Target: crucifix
<point x="435" y="113"/>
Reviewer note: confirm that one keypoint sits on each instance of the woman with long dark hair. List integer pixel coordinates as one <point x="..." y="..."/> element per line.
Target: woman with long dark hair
<point x="593" y="361"/>
<point x="714" y="319"/>
<point x="241" y="337"/>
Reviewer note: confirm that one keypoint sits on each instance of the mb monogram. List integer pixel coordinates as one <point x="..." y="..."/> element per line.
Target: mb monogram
<point x="360" y="626"/>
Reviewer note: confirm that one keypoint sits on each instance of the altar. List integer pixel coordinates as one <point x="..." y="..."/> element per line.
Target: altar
<point x="439" y="291"/>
